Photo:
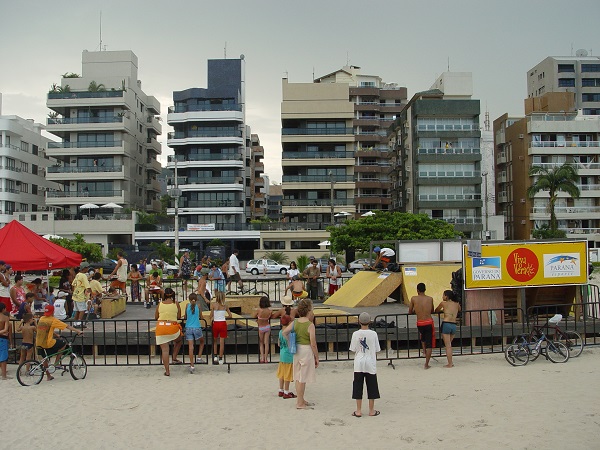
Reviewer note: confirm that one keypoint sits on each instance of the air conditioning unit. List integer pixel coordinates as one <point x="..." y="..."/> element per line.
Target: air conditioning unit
<point x="409" y="190"/>
<point x="521" y="136"/>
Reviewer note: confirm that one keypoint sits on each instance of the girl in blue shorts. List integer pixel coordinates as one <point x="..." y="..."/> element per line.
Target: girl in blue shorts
<point x="193" y="331"/>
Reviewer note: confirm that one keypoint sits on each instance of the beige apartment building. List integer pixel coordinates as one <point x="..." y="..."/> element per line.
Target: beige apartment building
<point x="335" y="156"/>
<point x="108" y="128"/>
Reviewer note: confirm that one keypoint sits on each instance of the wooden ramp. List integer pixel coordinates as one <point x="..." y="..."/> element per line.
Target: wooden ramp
<point x="436" y="277"/>
<point x="366" y="288"/>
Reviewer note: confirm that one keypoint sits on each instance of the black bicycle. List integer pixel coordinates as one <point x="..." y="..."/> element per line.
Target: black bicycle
<point x="32" y="371"/>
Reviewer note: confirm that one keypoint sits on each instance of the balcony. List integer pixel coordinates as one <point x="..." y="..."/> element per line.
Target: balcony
<point x="317" y="155"/>
<point x="461" y="220"/>
<point x="214" y="180"/>
<point x="84" y="94"/>
<point x="72" y="194"/>
<point x="86" y="169"/>
<point x="153" y="165"/>
<point x="449" y="151"/>
<point x="564" y="148"/>
<point x="316" y="131"/>
<point x="193" y="134"/>
<point x="86" y="144"/>
<point x="317" y="178"/>
<point x="153" y="185"/>
<point x="83" y="120"/>
<point x="220" y="107"/>
<point x="92" y="147"/>
<point x="450" y="174"/>
<point x="317" y="202"/>
<point x="61" y="101"/>
<point x="503" y="197"/>
<point x="185" y="203"/>
<point x="206" y="157"/>
<point x="502" y="178"/>
<point x="154" y="123"/>
<point x="153" y="205"/>
<point x="501" y="158"/>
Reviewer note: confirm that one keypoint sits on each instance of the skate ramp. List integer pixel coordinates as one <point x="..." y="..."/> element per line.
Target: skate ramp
<point x="366" y="288"/>
<point x="436" y="277"/>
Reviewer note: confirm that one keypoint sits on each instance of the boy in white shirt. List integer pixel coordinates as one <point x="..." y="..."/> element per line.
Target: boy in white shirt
<point x="365" y="345"/>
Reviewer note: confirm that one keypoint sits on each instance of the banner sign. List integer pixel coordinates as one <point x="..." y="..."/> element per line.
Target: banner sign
<point x="526" y="264"/>
<point x="201" y="227"/>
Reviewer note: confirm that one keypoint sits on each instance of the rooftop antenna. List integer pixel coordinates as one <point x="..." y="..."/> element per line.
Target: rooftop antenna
<point x="100" y="30"/>
<point x="486" y="121"/>
<point x="448" y="64"/>
<point x="225" y="50"/>
<point x="313" y="73"/>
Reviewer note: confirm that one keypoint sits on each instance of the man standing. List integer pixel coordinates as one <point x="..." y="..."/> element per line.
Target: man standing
<point x="312" y="273"/>
<point x="234" y="269"/>
<point x="121" y="271"/>
<point x="5" y="286"/>
<point x="265" y="264"/>
<point x="81" y="294"/>
<point x="422" y="306"/>
<point x="385" y="256"/>
<point x="4" y="339"/>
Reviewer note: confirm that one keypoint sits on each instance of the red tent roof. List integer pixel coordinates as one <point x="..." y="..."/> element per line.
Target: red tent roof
<point x="24" y="250"/>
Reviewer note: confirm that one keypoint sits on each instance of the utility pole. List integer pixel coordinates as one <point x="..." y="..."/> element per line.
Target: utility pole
<point x="331" y="197"/>
<point x="176" y="193"/>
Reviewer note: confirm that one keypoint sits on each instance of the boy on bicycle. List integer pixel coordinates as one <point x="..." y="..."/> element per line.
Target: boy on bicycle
<point x="45" y="339"/>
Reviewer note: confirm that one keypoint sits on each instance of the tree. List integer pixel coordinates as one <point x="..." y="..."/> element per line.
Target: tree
<point x="146" y="221"/>
<point x="278" y="257"/>
<point x="91" y="252"/>
<point x="95" y="87"/>
<point x="557" y="179"/>
<point x="383" y="226"/>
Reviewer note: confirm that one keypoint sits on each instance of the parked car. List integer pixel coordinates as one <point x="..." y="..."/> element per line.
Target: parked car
<point x="323" y="264"/>
<point x="357" y="265"/>
<point x="106" y="264"/>
<point x="168" y="269"/>
<point x="255" y="266"/>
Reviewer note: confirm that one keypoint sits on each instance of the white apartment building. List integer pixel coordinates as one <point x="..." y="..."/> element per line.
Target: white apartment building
<point x="578" y="74"/>
<point x="22" y="167"/>
<point x="108" y="127"/>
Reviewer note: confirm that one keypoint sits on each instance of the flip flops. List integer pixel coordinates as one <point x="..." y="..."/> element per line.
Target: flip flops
<point x="356" y="415"/>
<point x="376" y="413"/>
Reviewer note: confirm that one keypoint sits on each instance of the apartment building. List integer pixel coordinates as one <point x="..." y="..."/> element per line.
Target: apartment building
<point x="437" y="167"/>
<point x="335" y="157"/>
<point x="23" y="166"/>
<point x="550" y="134"/>
<point x="578" y="74"/>
<point x="108" y="128"/>
<point x="218" y="160"/>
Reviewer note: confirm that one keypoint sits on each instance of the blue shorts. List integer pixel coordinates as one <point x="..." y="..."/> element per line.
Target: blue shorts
<point x="3" y="350"/>
<point x="448" y="328"/>
<point x="193" y="334"/>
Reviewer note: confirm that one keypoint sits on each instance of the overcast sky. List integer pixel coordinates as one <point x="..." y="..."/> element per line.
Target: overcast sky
<point x="406" y="42"/>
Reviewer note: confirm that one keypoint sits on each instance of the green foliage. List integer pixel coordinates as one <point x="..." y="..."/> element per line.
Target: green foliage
<point x="71" y="75"/>
<point x="164" y="251"/>
<point x="65" y="88"/>
<point x="91" y="252"/>
<point x="545" y="232"/>
<point x="262" y="219"/>
<point x="216" y="243"/>
<point x="554" y="180"/>
<point x="357" y="234"/>
<point x="95" y="87"/>
<point x="302" y="262"/>
<point x="279" y="257"/>
<point x="112" y="253"/>
<point x="165" y="200"/>
<point x="53" y="282"/>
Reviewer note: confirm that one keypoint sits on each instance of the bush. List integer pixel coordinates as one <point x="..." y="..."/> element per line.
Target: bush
<point x="279" y="257"/>
<point x="302" y="262"/>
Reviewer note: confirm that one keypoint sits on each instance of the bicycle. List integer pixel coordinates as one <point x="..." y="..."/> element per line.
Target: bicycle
<point x="32" y="371"/>
<point x="520" y="353"/>
<point x="249" y="291"/>
<point x="572" y="339"/>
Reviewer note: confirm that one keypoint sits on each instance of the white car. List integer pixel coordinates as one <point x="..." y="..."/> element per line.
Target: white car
<point x="255" y="266"/>
<point x="357" y="265"/>
<point x="168" y="269"/>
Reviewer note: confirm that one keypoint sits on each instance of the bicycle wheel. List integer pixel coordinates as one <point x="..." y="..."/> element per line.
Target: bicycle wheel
<point x="557" y="352"/>
<point x="573" y="341"/>
<point x="30" y="372"/>
<point x="521" y="339"/>
<point x="517" y="355"/>
<point x="262" y="294"/>
<point x="77" y="367"/>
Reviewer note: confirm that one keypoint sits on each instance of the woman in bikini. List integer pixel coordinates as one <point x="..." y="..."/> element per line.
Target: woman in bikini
<point x="263" y="315"/>
<point x="168" y="329"/>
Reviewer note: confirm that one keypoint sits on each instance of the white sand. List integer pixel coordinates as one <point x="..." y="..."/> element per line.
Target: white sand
<point x="483" y="402"/>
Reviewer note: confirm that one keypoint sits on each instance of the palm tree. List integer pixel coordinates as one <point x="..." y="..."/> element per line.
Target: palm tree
<point x="554" y="180"/>
<point x="94" y="87"/>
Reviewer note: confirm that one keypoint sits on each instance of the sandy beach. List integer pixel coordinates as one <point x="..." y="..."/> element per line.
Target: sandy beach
<point x="482" y="402"/>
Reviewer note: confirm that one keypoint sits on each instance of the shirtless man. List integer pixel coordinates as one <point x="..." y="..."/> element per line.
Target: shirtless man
<point x="450" y="307"/>
<point x="297" y="288"/>
<point x="422" y="306"/>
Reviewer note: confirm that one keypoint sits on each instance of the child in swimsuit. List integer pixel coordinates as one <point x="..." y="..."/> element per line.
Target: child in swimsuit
<point x="27" y="331"/>
<point x="263" y="314"/>
<point x="218" y="312"/>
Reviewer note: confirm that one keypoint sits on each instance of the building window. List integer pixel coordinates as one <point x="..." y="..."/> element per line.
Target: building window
<point x="24" y="146"/>
<point x="591" y="111"/>
<point x="367" y="84"/>
<point x="590" y="82"/>
<point x="34" y="149"/>
<point x="566" y="68"/>
<point x="566" y="82"/>
<point x="23" y="207"/>
<point x="34" y="189"/>
<point x="9" y="208"/>
<point x="590" y="97"/>
<point x="34" y="169"/>
<point x="304" y="245"/>
<point x="274" y="245"/>
<point x="24" y="188"/>
<point x="590" y="67"/>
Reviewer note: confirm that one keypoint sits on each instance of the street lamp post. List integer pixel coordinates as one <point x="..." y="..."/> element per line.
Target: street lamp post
<point x="331" y="197"/>
<point x="176" y="193"/>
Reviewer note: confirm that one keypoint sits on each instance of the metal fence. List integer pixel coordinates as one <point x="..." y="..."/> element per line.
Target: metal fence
<point x="116" y="342"/>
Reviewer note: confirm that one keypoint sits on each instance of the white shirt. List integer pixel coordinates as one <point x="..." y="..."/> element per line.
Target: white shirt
<point x="122" y="271"/>
<point x="233" y="263"/>
<point x="292" y="272"/>
<point x="336" y="274"/>
<point x="387" y="252"/>
<point x="59" y="309"/>
<point x="365" y="344"/>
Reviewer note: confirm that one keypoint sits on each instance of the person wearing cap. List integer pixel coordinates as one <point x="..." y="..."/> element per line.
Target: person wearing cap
<point x="5" y="286"/>
<point x="365" y="345"/>
<point x="45" y="340"/>
<point x="81" y="296"/>
<point x="385" y="256"/>
<point x="216" y="276"/>
<point x="312" y="273"/>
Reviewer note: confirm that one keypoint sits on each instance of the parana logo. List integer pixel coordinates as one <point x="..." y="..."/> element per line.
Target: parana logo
<point x="562" y="265"/>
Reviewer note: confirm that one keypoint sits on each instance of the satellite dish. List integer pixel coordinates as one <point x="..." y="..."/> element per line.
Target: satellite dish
<point x="581" y="52"/>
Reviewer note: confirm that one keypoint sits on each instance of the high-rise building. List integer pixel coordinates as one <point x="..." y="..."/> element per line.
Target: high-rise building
<point x="335" y="156"/>
<point x="218" y="162"/>
<point x="438" y="155"/>
<point x="551" y="134"/>
<point x="108" y="127"/>
<point x="22" y="167"/>
<point x="578" y="74"/>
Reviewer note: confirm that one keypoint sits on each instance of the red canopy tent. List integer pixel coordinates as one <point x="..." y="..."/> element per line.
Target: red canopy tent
<point x="24" y="250"/>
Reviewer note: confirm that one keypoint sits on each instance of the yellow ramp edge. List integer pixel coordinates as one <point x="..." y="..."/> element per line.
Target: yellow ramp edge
<point x="436" y="277"/>
<point x="366" y="288"/>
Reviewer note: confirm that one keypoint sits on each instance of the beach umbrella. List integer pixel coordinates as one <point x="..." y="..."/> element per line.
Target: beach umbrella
<point x="368" y="214"/>
<point x="89" y="207"/>
<point x="112" y="205"/>
<point x="52" y="236"/>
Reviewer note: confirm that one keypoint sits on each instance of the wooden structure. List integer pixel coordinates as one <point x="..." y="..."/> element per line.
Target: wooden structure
<point x="243" y="304"/>
<point x="112" y="306"/>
